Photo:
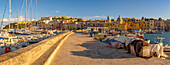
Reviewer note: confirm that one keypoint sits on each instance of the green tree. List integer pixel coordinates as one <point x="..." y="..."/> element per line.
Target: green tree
<point x="80" y="19"/>
<point x="168" y="19"/>
<point x="160" y="19"/>
<point x="143" y="18"/>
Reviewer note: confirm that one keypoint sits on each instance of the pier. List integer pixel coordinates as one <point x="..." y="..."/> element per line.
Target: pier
<point x="74" y="49"/>
<point x="81" y="49"/>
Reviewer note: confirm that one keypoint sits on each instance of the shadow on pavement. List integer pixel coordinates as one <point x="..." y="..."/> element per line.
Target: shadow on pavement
<point x="98" y="50"/>
<point x="168" y="53"/>
<point x="78" y="32"/>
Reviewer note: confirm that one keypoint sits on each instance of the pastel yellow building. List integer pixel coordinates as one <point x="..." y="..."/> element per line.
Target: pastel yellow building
<point x="132" y="26"/>
<point x="121" y="24"/>
<point x="134" y="23"/>
<point x="122" y="27"/>
<point x="143" y="25"/>
<point x="111" y="25"/>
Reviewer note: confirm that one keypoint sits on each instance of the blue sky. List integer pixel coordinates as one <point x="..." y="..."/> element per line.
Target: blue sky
<point x="95" y="9"/>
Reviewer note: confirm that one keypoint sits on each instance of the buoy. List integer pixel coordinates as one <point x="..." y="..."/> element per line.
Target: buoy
<point x="21" y="40"/>
<point x="7" y="49"/>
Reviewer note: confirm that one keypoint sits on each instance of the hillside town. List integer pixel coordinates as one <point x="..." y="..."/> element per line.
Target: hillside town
<point x="70" y="23"/>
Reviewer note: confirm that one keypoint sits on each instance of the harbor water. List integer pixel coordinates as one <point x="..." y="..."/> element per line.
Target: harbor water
<point x="165" y="35"/>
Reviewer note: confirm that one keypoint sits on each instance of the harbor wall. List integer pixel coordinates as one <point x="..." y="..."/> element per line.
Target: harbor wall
<point x="27" y="55"/>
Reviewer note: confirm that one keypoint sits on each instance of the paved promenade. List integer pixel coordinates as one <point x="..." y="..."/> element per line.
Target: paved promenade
<point x="80" y="49"/>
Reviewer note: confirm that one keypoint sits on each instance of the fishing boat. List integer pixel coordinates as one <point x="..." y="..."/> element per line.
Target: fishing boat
<point x="159" y="40"/>
<point x="154" y="32"/>
<point x="167" y="48"/>
<point x="33" y="41"/>
<point x="15" y="32"/>
<point x="26" y="34"/>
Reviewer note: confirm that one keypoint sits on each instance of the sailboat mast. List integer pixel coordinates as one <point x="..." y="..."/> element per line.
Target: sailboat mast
<point x="3" y="15"/>
<point x="35" y="13"/>
<point x="35" y="8"/>
<point x="25" y="14"/>
<point x="18" y="20"/>
<point x="31" y="12"/>
<point x="9" y="13"/>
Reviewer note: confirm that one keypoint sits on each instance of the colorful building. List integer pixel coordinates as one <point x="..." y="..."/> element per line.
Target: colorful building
<point x="121" y="24"/>
<point x="132" y="26"/>
<point x="159" y="25"/>
<point x="111" y="25"/>
<point x="167" y="25"/>
<point x="69" y="26"/>
<point x="150" y="23"/>
<point x="108" y="19"/>
<point x="142" y="25"/>
<point x="117" y="25"/>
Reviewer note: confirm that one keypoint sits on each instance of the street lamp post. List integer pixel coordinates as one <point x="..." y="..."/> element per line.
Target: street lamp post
<point x="84" y="25"/>
<point x="76" y="25"/>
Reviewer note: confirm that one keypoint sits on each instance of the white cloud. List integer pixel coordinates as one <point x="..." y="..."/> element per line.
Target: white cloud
<point x="95" y="17"/>
<point x="12" y="20"/>
<point x="4" y="19"/>
<point x="21" y="18"/>
<point x="57" y="11"/>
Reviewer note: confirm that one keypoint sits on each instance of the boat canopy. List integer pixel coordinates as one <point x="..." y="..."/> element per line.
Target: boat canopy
<point x="2" y="38"/>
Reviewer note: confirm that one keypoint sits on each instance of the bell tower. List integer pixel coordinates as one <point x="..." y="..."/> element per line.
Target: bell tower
<point x="108" y="19"/>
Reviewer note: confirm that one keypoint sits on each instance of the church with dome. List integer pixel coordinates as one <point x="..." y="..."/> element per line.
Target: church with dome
<point x="118" y="24"/>
<point x="121" y="24"/>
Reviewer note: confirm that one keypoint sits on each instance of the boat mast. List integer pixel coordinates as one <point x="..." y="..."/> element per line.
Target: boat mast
<point x="31" y="12"/>
<point x="3" y="15"/>
<point x="35" y="12"/>
<point x="25" y="14"/>
<point x="18" y="20"/>
<point x="9" y="13"/>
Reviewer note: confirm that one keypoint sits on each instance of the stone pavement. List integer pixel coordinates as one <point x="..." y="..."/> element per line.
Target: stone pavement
<point x="80" y="49"/>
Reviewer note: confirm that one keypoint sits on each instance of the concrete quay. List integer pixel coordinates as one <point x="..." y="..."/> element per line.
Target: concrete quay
<point x="74" y="49"/>
<point x="29" y="55"/>
<point x="81" y="49"/>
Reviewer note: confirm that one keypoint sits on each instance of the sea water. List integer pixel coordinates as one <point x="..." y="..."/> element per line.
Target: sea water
<point x="165" y="35"/>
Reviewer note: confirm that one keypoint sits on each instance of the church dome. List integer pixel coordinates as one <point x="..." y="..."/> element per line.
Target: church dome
<point x="119" y="18"/>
